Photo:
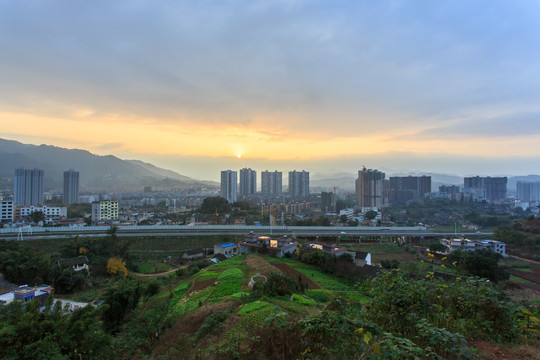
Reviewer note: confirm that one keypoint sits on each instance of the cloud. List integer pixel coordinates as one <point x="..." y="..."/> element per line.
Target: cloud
<point x="507" y="125"/>
<point x="109" y="146"/>
<point x="307" y="70"/>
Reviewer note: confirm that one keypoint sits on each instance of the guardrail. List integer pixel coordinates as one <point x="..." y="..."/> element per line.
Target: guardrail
<point x="211" y="228"/>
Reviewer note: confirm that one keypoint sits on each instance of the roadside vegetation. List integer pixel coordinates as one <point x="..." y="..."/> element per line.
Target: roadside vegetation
<point x="309" y="307"/>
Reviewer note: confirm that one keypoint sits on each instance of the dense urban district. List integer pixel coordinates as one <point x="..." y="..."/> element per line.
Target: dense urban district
<point x="391" y="270"/>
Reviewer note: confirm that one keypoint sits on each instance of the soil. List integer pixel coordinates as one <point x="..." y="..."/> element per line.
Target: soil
<point x="533" y="275"/>
<point x="296" y="274"/>
<point x="493" y="351"/>
<point x="258" y="264"/>
<point x="201" y="285"/>
<point x="171" y="340"/>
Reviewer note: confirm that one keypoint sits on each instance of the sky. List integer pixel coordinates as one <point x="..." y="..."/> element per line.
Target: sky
<point x="326" y="86"/>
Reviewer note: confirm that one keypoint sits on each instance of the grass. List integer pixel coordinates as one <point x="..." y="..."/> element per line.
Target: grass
<point x="383" y="248"/>
<point x="326" y="281"/>
<point x="299" y="299"/>
<point x="179" y="243"/>
<point x="519" y="280"/>
<point x="319" y="295"/>
<point x="207" y="276"/>
<point x="236" y="261"/>
<point x="153" y="267"/>
<point x="190" y="302"/>
<point x="252" y="306"/>
<point x="229" y="282"/>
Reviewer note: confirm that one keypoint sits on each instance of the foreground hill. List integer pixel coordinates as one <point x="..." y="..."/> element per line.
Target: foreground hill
<point x="312" y="315"/>
<point x="96" y="172"/>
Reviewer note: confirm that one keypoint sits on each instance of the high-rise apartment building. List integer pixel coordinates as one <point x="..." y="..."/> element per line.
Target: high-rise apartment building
<point x="28" y="187"/>
<point x="229" y="185"/>
<point x="71" y="187"/>
<point x="370" y="188"/>
<point x="248" y="182"/>
<point x="104" y="210"/>
<point x="405" y="188"/>
<point x="487" y="188"/>
<point x="299" y="183"/>
<point x="528" y="191"/>
<point x="271" y="183"/>
<point x="328" y="201"/>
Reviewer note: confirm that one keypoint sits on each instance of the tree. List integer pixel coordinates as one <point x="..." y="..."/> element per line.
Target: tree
<point x="116" y="265"/>
<point x="37" y="216"/>
<point x="120" y="299"/>
<point x="213" y="204"/>
<point x="370" y="215"/>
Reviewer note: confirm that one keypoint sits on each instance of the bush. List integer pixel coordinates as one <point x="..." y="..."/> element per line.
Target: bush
<point x="279" y="284"/>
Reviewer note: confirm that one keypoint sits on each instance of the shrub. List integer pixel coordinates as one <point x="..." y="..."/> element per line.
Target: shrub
<point x="279" y="284"/>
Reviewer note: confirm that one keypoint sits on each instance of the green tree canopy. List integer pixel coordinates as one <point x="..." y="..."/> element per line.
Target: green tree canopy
<point x="214" y="204"/>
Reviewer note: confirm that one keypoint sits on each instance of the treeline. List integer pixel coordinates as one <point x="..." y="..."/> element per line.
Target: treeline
<point x="20" y="264"/>
<point x="406" y="318"/>
<point x="342" y="266"/>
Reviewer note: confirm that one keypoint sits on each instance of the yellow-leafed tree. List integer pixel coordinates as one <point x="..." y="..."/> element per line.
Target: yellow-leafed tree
<point x="116" y="265"/>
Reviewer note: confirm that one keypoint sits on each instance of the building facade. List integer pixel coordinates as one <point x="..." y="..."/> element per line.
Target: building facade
<point x="248" y="182"/>
<point x="488" y="188"/>
<point x="528" y="191"/>
<point x="6" y="210"/>
<point x="28" y="186"/>
<point x="298" y="183"/>
<point x="405" y="188"/>
<point x="71" y="187"/>
<point x="370" y="188"/>
<point x="271" y="183"/>
<point x="104" y="210"/>
<point x="229" y="185"/>
<point x="49" y="212"/>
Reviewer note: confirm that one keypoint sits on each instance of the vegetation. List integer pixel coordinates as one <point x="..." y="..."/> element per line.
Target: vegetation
<point x="395" y="315"/>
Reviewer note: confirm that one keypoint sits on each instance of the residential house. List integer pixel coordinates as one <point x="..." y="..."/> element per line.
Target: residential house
<point x="193" y="254"/>
<point x="278" y="247"/>
<point x="227" y="249"/>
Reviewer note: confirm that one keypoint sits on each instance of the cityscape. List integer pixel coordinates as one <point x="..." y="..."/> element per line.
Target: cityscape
<point x="373" y="192"/>
<point x="270" y="180"/>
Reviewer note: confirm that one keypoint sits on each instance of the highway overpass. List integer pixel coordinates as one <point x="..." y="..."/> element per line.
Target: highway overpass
<point x="201" y="230"/>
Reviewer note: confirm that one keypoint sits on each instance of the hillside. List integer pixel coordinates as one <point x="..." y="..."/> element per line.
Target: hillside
<point x="214" y="315"/>
<point x="107" y="173"/>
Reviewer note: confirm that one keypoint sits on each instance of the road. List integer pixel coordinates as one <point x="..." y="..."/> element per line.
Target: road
<point x="219" y="230"/>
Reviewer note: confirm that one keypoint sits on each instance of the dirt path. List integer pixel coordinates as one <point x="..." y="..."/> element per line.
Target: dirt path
<point x="158" y="274"/>
<point x="526" y="260"/>
<point x="295" y="274"/>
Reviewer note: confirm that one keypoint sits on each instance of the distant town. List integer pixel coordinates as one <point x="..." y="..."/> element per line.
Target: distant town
<point x="377" y="201"/>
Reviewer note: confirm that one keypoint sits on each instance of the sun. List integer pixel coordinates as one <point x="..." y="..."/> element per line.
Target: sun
<point x="239" y="156"/>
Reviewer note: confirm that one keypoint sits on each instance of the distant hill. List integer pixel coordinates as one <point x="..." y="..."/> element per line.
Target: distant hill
<point x="107" y="173"/>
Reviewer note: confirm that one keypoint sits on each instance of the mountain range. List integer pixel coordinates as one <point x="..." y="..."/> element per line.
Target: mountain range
<point x="102" y="173"/>
<point x="109" y="173"/>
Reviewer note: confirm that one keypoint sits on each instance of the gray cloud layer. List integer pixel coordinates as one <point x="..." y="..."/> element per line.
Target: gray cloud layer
<point x="335" y="67"/>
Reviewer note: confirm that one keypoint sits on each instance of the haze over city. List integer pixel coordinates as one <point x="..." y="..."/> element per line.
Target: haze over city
<point x="195" y="87"/>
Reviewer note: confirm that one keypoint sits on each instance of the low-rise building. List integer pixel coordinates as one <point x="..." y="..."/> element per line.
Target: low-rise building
<point x="193" y="254"/>
<point x="472" y="245"/>
<point x="49" y="212"/>
<point x="331" y="249"/>
<point x="26" y="293"/>
<point x="278" y="247"/>
<point x="227" y="249"/>
<point x="6" y="210"/>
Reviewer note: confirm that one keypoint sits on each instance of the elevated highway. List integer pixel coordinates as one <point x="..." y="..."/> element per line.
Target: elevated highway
<point x="201" y="230"/>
